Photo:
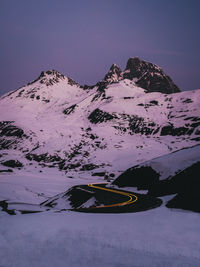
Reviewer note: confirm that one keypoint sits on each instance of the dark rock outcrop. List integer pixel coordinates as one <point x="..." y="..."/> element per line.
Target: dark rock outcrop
<point x="99" y="116"/>
<point x="141" y="177"/>
<point x="69" y="110"/>
<point x="149" y="76"/>
<point x="186" y="185"/>
<point x="51" y="77"/>
<point x="11" y="130"/>
<point x="12" y="163"/>
<point x="186" y="201"/>
<point x="145" y="75"/>
<point x="10" y="135"/>
<point x="114" y="75"/>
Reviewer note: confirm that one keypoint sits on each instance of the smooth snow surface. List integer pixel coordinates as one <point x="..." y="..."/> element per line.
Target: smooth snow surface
<point x="158" y="237"/>
<point x="34" y="187"/>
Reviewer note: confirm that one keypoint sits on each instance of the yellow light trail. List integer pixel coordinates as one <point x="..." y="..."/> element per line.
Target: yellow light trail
<point x="130" y="201"/>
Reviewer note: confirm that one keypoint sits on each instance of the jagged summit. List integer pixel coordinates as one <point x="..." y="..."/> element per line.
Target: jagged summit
<point x="114" y="74"/>
<point x="145" y="74"/>
<point x="51" y="77"/>
<point x="149" y="76"/>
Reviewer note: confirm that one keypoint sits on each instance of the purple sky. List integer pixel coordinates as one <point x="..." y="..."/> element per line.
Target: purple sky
<point x="82" y="38"/>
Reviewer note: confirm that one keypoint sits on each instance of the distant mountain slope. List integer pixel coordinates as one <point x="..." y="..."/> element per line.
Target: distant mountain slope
<point x="106" y="128"/>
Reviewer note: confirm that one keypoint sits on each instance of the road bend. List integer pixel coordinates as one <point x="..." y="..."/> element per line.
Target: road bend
<point x="131" y="197"/>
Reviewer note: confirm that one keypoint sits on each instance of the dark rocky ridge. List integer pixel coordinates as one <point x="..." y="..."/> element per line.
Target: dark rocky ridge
<point x="145" y="75"/>
<point x="115" y="74"/>
<point x="149" y="76"/>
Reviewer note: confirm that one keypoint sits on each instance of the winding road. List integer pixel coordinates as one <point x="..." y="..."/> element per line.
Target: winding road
<point x="131" y="197"/>
<point x="110" y="200"/>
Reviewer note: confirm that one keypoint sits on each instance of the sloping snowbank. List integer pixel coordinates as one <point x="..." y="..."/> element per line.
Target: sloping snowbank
<point x="158" y="237"/>
<point x="162" y="167"/>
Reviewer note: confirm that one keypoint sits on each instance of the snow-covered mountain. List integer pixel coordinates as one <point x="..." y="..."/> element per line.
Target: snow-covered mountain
<point x="127" y="118"/>
<point x="57" y="136"/>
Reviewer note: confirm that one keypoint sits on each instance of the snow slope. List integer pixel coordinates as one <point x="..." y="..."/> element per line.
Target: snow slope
<point x="168" y="165"/>
<point x="55" y="122"/>
<point x="156" y="237"/>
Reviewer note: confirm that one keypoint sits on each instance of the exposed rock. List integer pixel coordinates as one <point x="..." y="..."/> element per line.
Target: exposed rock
<point x="49" y="77"/>
<point x="186" y="184"/>
<point x="72" y="82"/>
<point x="6" y="144"/>
<point x="100" y="174"/>
<point x="69" y="110"/>
<point x="43" y="157"/>
<point x="99" y="116"/>
<point x="170" y="130"/>
<point x="74" y="198"/>
<point x="145" y="75"/>
<point x="149" y="76"/>
<point x="89" y="167"/>
<point x="186" y="201"/>
<point x="12" y="163"/>
<point x="114" y="74"/>
<point x="10" y="135"/>
<point x="8" y="170"/>
<point x="4" y="206"/>
<point x="138" y="125"/>
<point x="140" y="177"/>
<point x="6" y="129"/>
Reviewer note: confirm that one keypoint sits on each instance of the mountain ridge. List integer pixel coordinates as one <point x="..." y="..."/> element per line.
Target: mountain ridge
<point x="53" y="122"/>
<point x="143" y="73"/>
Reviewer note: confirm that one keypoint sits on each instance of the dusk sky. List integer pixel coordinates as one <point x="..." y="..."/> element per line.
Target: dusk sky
<point x="82" y="38"/>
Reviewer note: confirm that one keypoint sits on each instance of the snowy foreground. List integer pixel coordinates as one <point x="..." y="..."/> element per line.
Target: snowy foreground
<point x="158" y="237"/>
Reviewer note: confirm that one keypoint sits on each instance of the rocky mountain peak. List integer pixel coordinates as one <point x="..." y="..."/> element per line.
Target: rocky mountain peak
<point x="137" y="67"/>
<point x="149" y="76"/>
<point x="133" y="63"/>
<point x="145" y="74"/>
<point x="114" y="74"/>
<point x="51" y="77"/>
<point x="51" y="73"/>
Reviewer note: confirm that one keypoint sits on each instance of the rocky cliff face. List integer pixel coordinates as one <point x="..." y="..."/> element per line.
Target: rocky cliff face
<point x="145" y="75"/>
<point x="115" y="74"/>
<point x="149" y="76"/>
